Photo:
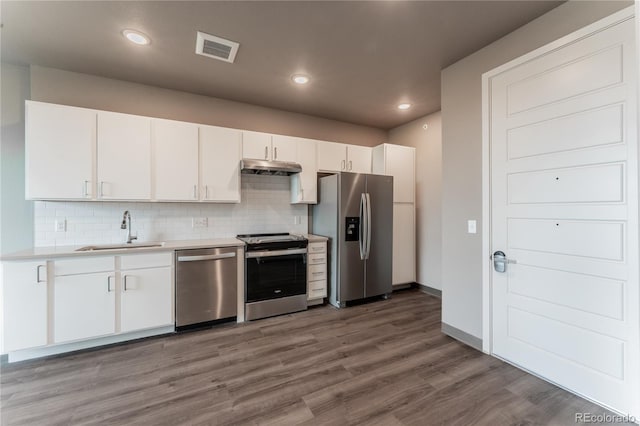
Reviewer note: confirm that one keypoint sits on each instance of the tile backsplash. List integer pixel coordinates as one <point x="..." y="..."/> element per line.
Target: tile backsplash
<point x="265" y="207"/>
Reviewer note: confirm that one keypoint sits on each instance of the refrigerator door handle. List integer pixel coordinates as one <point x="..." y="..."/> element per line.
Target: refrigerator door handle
<point x="362" y="240"/>
<point x="368" y="226"/>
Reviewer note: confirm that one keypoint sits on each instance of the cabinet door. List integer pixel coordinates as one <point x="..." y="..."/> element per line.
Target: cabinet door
<point x="84" y="306"/>
<point x="358" y="159"/>
<point x="400" y="163"/>
<point x="284" y="148"/>
<point x="145" y="300"/>
<point x="175" y="160"/>
<point x="124" y="156"/>
<point x="332" y="157"/>
<point x="24" y="305"/>
<point x="256" y="145"/>
<point x="59" y="151"/>
<point x="304" y="185"/>
<point x="220" y="155"/>
<point x="404" y="244"/>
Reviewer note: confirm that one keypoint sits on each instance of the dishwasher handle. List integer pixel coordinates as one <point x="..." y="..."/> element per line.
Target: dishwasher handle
<point x="206" y="257"/>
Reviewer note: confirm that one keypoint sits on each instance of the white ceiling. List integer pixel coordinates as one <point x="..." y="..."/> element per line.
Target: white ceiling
<point x="363" y="57"/>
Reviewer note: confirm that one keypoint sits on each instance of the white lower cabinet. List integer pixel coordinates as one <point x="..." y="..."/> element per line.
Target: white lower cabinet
<point x="84" y="306"/>
<point x="404" y="244"/>
<point x="145" y="299"/>
<point x="24" y="304"/>
<point x="317" y="271"/>
<point x="57" y="301"/>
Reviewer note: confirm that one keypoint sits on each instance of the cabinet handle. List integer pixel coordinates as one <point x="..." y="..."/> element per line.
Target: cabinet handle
<point x="109" y="283"/>
<point x="350" y="165"/>
<point x="124" y="282"/>
<point x="102" y="188"/>
<point x="317" y="273"/>
<point x="86" y="191"/>
<point x="38" y="280"/>
<point x="266" y="152"/>
<point x="195" y="191"/>
<point x="343" y="165"/>
<point x="275" y="153"/>
<point x="206" y="192"/>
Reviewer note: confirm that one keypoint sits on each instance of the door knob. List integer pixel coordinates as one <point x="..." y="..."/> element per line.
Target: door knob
<point x="500" y="261"/>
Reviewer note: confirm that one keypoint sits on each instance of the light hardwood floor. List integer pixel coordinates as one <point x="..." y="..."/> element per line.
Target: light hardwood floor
<point x="382" y="363"/>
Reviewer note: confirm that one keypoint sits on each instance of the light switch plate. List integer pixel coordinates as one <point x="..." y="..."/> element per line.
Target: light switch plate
<point x="61" y="225"/>
<point x="200" y="222"/>
<point x="471" y="226"/>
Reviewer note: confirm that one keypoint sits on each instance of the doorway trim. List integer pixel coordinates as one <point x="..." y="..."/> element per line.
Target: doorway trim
<point x="487" y="287"/>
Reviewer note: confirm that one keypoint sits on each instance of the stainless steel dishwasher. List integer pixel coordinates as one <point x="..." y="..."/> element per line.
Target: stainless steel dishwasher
<point x="206" y="285"/>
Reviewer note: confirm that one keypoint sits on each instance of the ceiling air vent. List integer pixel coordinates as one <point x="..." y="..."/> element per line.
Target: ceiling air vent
<point x="216" y="47"/>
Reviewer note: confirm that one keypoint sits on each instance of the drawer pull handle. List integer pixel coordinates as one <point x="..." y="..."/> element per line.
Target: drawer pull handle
<point x="317" y="273"/>
<point x="109" y="283"/>
<point x="38" y="280"/>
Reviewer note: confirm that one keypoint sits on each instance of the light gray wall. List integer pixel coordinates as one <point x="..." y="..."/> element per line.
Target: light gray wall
<point x="428" y="145"/>
<point x="84" y="90"/>
<point x="462" y="153"/>
<point x="16" y="214"/>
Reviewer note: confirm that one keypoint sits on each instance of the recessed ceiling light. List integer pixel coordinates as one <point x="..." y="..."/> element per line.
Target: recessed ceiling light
<point x="136" y="37"/>
<point x="300" y="79"/>
<point x="404" y="106"/>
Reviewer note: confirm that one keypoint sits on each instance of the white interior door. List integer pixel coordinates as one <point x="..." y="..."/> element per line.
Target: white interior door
<point x="564" y="205"/>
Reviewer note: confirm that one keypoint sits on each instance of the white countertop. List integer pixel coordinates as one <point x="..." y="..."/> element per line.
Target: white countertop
<point x="70" y="251"/>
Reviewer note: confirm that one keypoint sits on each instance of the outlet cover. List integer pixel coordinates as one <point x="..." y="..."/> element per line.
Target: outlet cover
<point x="61" y="225"/>
<point x="200" y="222"/>
<point x="471" y="226"/>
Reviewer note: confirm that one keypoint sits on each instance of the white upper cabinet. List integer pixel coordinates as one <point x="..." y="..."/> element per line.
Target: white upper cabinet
<point x="220" y="155"/>
<point x="304" y="185"/>
<point x="358" y="159"/>
<point x="397" y="161"/>
<point x="124" y="156"/>
<point x="332" y="157"/>
<point x="263" y="146"/>
<point x="60" y="147"/>
<point x="175" y="160"/>
<point x="284" y="148"/>
<point x="337" y="157"/>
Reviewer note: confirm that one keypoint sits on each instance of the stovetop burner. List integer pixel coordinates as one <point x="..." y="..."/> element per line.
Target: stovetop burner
<point x="272" y="241"/>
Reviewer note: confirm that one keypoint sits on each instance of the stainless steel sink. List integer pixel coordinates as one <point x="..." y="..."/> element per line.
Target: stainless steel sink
<point x="121" y="246"/>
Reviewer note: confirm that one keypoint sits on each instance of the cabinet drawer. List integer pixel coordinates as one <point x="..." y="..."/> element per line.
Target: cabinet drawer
<point x="317" y="258"/>
<point x="150" y="260"/>
<point x="317" y="272"/>
<point x="317" y="289"/>
<point x="88" y="265"/>
<point x="317" y="248"/>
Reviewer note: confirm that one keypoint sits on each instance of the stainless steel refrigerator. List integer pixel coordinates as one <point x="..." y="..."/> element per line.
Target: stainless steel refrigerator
<point x="356" y="212"/>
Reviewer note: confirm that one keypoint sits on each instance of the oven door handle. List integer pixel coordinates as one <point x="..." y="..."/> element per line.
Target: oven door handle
<point x="267" y="253"/>
<point x="205" y="257"/>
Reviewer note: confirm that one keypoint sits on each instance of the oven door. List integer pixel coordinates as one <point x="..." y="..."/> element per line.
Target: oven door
<point x="275" y="274"/>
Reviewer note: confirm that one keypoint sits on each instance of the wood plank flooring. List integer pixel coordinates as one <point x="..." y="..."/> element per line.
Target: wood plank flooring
<point x="382" y="363"/>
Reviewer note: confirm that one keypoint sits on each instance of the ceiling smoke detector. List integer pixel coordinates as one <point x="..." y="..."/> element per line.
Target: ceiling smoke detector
<point x="216" y="47"/>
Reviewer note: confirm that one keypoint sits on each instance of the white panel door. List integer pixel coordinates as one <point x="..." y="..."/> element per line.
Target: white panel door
<point x="60" y="150"/>
<point x="332" y="157"/>
<point x="24" y="304"/>
<point x="84" y="306"/>
<point x="304" y="185"/>
<point x="124" y="156"/>
<point x="256" y="145"/>
<point x="145" y="299"/>
<point x="404" y="244"/>
<point x="565" y="206"/>
<point x="175" y="160"/>
<point x="358" y="159"/>
<point x="220" y="155"/>
<point x="284" y="148"/>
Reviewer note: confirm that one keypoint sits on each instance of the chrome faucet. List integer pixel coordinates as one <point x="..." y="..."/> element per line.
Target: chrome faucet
<point x="127" y="218"/>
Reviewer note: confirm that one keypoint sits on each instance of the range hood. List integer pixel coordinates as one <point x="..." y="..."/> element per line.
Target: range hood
<point x="265" y="167"/>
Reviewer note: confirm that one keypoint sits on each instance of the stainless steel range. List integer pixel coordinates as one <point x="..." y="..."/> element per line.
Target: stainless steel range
<point x="275" y="274"/>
